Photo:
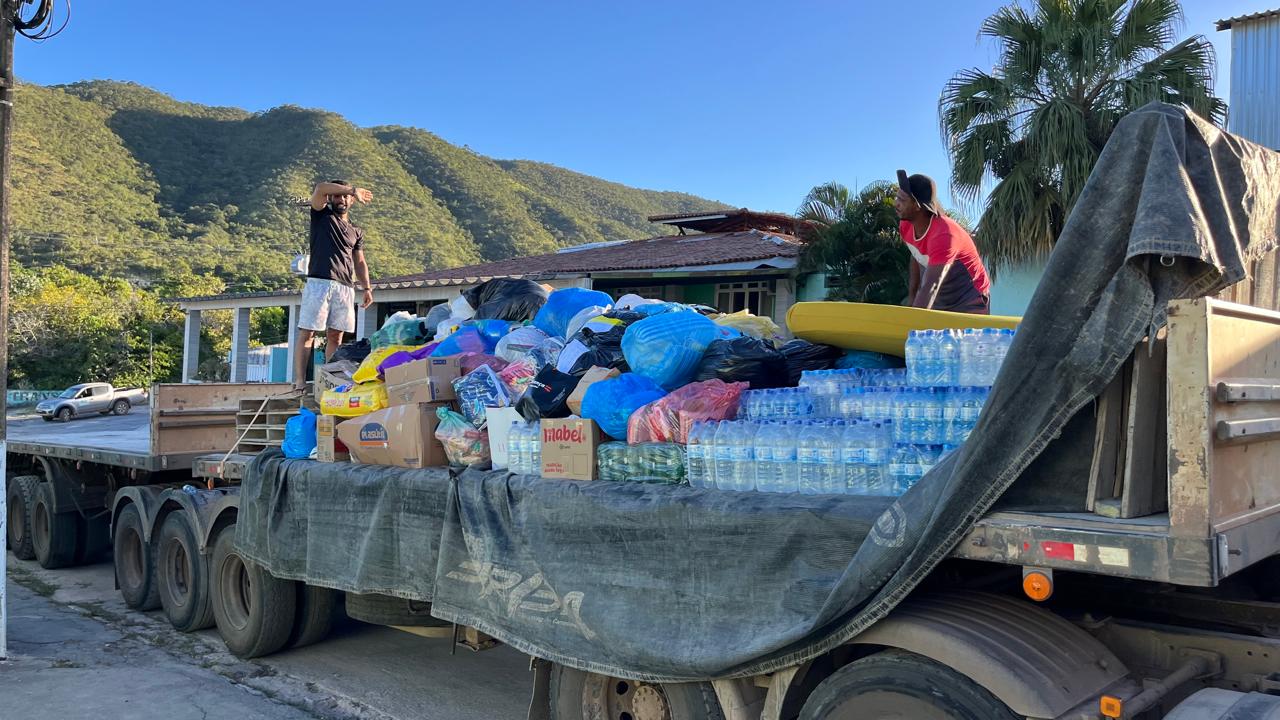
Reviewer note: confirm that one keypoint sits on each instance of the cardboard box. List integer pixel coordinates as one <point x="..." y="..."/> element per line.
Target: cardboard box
<point x="328" y="447"/>
<point x="432" y="379"/>
<point x="499" y="421"/>
<point x="331" y="375"/>
<point x="569" y="448"/>
<point x="403" y="436"/>
<point x="592" y="376"/>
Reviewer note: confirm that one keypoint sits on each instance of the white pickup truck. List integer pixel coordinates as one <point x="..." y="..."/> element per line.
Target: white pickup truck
<point x="89" y="398"/>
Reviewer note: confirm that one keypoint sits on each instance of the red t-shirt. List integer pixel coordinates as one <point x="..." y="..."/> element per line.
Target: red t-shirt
<point x="966" y="286"/>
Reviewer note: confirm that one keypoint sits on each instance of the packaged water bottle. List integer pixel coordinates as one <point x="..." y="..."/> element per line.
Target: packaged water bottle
<point x="766" y="473"/>
<point x="911" y="353"/>
<point x="723" y="459"/>
<point x="784" y="439"/>
<point x="695" y="455"/>
<point x="853" y="457"/>
<point x="933" y="424"/>
<point x="743" y="455"/>
<point x="535" y="449"/>
<point x="832" y="477"/>
<point x="1004" y="341"/>
<point x="948" y="358"/>
<point x="809" y="440"/>
<point x="517" y="448"/>
<point x="985" y="353"/>
<point x="880" y="441"/>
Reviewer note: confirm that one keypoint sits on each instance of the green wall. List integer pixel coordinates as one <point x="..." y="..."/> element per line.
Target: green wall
<point x="704" y="294"/>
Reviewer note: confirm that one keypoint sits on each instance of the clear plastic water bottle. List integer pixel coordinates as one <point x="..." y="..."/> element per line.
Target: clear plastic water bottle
<point x="743" y="454"/>
<point x="809" y="441"/>
<point x="985" y="356"/>
<point x="853" y="456"/>
<point x="695" y="455"/>
<point x="911" y="353"/>
<point x="517" y="447"/>
<point x="535" y="449"/>
<point x="1004" y="342"/>
<point x="880" y="441"/>
<point x="933" y="427"/>
<point x="723" y="458"/>
<point x="948" y="358"/>
<point x="829" y="471"/>
<point x="787" y="479"/>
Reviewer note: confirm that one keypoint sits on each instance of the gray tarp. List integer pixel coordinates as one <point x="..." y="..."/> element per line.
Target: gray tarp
<point x="680" y="584"/>
<point x="358" y="528"/>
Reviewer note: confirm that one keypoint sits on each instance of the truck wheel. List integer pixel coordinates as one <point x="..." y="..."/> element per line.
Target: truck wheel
<point x="134" y="561"/>
<point x="53" y="535"/>
<point x="18" y="498"/>
<point x="388" y="610"/>
<point x="182" y="575"/>
<point x="578" y="695"/>
<point x="65" y="414"/>
<point x="316" y="609"/>
<point x="93" y="539"/>
<point x="121" y="407"/>
<point x="896" y="684"/>
<point x="254" y="610"/>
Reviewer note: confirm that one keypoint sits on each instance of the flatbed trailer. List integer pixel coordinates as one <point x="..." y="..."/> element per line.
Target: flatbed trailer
<point x="1171" y="612"/>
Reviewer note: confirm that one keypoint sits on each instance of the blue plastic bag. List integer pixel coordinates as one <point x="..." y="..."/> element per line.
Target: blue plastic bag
<point x="867" y="360"/>
<point x="667" y="348"/>
<point x="611" y="402"/>
<point x="473" y="336"/>
<point x="553" y="319"/>
<point x="300" y="435"/>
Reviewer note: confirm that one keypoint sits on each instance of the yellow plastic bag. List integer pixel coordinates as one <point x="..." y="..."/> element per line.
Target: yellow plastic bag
<point x="354" y="400"/>
<point x="368" y="369"/>
<point x="756" y="326"/>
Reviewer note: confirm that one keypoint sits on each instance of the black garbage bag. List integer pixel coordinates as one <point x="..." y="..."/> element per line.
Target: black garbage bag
<point x="744" y="359"/>
<point x="355" y="351"/>
<point x="602" y="349"/>
<point x="547" y="395"/>
<point x="506" y="299"/>
<point x="803" y="355"/>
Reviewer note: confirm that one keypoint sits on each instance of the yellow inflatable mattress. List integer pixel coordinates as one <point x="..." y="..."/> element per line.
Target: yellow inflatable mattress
<point x="880" y="328"/>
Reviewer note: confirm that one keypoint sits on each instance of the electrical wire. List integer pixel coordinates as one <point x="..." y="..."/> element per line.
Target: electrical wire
<point x="39" y="25"/>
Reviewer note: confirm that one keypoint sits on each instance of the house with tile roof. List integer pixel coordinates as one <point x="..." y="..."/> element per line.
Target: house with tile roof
<point x="732" y="260"/>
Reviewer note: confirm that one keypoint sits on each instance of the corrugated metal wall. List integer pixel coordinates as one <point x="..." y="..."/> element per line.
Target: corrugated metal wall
<point x="1255" y="81"/>
<point x="1254" y="114"/>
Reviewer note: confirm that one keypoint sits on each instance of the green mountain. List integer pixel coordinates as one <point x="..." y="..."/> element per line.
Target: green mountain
<point x="116" y="179"/>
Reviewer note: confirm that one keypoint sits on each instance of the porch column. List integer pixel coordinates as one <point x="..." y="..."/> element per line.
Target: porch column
<point x="784" y="296"/>
<point x="294" y="312"/>
<point x="191" y="346"/>
<point x="240" y="345"/>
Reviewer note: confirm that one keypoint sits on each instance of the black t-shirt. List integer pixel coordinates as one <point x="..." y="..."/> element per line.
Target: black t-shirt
<point x="333" y="245"/>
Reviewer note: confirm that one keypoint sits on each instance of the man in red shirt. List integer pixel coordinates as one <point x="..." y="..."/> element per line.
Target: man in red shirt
<point x="946" y="272"/>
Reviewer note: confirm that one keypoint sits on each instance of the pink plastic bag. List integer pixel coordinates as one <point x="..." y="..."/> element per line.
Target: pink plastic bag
<point x="517" y="375"/>
<point x="668" y="419"/>
<point x="471" y="361"/>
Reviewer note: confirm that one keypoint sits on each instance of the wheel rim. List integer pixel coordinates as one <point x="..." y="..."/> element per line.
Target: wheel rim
<point x="887" y="705"/>
<point x="612" y="698"/>
<point x="17" y="529"/>
<point x="130" y="562"/>
<point x="179" y="567"/>
<point x="64" y="415"/>
<point x="121" y="408"/>
<point x="40" y="525"/>
<point x="233" y="580"/>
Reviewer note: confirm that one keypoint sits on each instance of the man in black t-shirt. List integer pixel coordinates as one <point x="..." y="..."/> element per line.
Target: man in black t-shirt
<point x="337" y="264"/>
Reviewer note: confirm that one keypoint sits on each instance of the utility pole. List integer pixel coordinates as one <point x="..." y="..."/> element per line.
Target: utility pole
<point x="8" y="10"/>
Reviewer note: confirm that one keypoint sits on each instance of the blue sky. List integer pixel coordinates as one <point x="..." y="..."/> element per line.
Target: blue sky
<point x="751" y="103"/>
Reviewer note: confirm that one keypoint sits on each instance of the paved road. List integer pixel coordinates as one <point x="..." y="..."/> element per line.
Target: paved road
<point x="125" y="432"/>
<point x="78" y="654"/>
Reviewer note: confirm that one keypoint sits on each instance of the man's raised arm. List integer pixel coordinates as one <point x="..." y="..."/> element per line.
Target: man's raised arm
<point x="320" y="195"/>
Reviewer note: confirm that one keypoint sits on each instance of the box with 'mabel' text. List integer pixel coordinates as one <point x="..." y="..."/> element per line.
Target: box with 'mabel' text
<point x="569" y="448"/>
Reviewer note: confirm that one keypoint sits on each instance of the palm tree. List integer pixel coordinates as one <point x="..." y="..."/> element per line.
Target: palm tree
<point x="857" y="243"/>
<point x="1068" y="71"/>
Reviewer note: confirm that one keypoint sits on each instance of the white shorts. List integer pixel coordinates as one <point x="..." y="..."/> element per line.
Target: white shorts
<point x="327" y="305"/>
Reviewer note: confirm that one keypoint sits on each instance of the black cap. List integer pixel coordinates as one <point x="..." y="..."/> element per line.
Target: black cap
<point x="922" y="188"/>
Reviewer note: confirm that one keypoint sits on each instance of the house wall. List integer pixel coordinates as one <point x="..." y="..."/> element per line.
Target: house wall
<point x="1255" y="81"/>
<point x="812" y="287"/>
<point x="1012" y="289"/>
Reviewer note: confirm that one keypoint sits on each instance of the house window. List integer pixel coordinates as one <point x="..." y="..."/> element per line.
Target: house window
<point x="651" y="292"/>
<point x="756" y="297"/>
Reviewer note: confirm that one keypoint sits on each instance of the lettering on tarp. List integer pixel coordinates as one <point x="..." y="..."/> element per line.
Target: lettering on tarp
<point x="526" y="598"/>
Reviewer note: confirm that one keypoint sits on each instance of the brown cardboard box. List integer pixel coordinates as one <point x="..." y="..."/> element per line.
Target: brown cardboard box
<point x="328" y="447"/>
<point x="432" y="377"/>
<point x="592" y="376"/>
<point x="569" y="448"/>
<point x="403" y="436"/>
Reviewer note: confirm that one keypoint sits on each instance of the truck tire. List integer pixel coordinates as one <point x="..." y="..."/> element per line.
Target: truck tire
<point x="317" y="607"/>
<point x="388" y="610"/>
<point x="65" y="414"/>
<point x="254" y="611"/>
<point x="578" y="695"/>
<point x="19" y="496"/>
<point x="121" y="407"/>
<point x="897" y="684"/>
<point x="134" y="561"/>
<point x="93" y="540"/>
<point x="182" y="575"/>
<point x="53" y="535"/>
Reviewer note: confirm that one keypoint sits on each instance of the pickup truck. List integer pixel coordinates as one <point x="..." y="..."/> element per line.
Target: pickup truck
<point x="88" y="398"/>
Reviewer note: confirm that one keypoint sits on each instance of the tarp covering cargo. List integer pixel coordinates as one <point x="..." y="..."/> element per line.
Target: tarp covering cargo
<point x="676" y="584"/>
<point x="358" y="528"/>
